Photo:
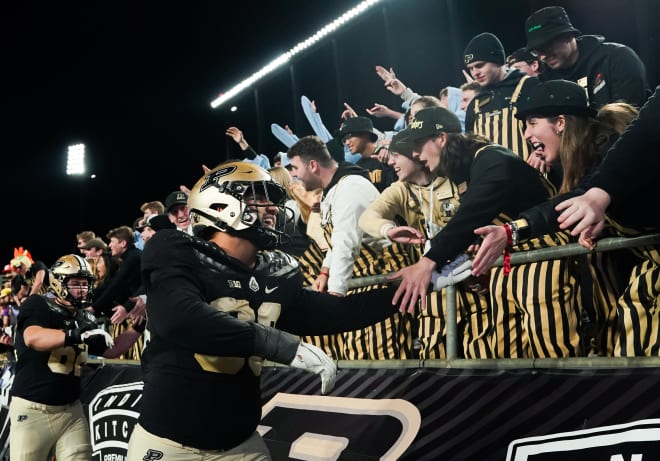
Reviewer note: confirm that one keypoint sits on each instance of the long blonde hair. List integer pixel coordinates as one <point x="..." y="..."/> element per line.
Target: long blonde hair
<point x="617" y="115"/>
<point x="585" y="139"/>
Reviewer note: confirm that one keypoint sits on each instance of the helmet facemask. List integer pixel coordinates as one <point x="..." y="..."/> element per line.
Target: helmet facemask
<point x="231" y="198"/>
<point x="66" y="268"/>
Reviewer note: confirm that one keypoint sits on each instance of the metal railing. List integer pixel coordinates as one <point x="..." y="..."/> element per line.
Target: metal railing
<point x="522" y="257"/>
<point x="452" y="360"/>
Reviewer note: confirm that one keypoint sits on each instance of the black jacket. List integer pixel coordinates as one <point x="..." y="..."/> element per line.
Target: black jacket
<point x="609" y="71"/>
<point x="126" y="282"/>
<point x="499" y="186"/>
<point x="630" y="172"/>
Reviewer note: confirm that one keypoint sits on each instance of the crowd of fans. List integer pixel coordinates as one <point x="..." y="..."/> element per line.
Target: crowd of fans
<point x="494" y="154"/>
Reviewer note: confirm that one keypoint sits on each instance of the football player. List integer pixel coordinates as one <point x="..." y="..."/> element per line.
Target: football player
<point x="54" y="336"/>
<point x="214" y="301"/>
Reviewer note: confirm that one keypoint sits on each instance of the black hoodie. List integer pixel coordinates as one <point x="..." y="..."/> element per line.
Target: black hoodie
<point x="609" y="71"/>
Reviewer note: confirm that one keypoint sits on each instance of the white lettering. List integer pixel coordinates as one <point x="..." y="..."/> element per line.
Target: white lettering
<point x="621" y="458"/>
<point x="113" y="457"/>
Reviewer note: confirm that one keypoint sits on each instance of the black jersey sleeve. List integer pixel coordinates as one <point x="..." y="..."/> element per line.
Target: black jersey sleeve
<point x="314" y="313"/>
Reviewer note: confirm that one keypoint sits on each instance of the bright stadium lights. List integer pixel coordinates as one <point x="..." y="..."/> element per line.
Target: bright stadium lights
<point x="286" y="57"/>
<point x="75" y="162"/>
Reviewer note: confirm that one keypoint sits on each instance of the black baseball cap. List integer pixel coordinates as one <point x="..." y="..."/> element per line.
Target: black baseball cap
<point x="431" y="121"/>
<point x="175" y="198"/>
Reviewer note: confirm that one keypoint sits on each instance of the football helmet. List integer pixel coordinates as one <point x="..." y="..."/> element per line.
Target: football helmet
<point x="66" y="267"/>
<point x="228" y="198"/>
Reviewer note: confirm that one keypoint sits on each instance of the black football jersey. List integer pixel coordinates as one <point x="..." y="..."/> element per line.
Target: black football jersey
<point x="48" y="377"/>
<point x="201" y="379"/>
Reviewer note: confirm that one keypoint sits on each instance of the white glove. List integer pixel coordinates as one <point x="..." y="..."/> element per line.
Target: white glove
<point x="311" y="358"/>
<point x="85" y="336"/>
<point x="454" y="272"/>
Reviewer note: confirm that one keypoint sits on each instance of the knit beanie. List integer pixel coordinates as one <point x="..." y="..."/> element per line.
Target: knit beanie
<point x="484" y="47"/>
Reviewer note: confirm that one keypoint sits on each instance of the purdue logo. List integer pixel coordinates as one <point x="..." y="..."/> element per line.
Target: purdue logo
<point x="416" y="124"/>
<point x="468" y="58"/>
<point x="152" y="455"/>
<point x="326" y="429"/>
<point x="214" y="177"/>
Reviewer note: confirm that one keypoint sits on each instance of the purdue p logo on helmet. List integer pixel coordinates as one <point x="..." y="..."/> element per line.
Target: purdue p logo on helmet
<point x="227" y="199"/>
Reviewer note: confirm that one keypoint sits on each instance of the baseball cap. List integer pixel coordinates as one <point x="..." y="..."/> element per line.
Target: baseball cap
<point x="431" y="121"/>
<point x="95" y="243"/>
<point x="5" y="292"/>
<point x="484" y="47"/>
<point x="157" y="222"/>
<point x="546" y="24"/>
<point x="358" y="125"/>
<point x="521" y="54"/>
<point x="175" y="198"/>
<point x="553" y="97"/>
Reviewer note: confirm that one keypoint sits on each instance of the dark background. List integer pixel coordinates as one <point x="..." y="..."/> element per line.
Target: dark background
<point x="135" y="82"/>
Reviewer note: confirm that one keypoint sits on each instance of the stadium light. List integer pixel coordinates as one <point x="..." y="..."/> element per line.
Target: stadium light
<point x="75" y="162"/>
<point x="286" y="57"/>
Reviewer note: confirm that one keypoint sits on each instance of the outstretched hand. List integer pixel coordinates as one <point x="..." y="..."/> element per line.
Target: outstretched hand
<point x="585" y="214"/>
<point x="392" y="84"/>
<point x="415" y="282"/>
<point x="405" y="235"/>
<point x="385" y="74"/>
<point x="348" y="112"/>
<point x="235" y="134"/>
<point x="381" y="110"/>
<point x="493" y="244"/>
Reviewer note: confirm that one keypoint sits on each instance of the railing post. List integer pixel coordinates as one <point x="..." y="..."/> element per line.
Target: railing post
<point x="451" y="322"/>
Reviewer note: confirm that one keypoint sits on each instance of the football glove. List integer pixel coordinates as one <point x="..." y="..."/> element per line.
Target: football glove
<point x="312" y="359"/>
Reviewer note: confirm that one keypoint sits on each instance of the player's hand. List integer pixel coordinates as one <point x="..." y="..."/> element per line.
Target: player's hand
<point x="97" y="336"/>
<point x="312" y="359"/>
<point x="452" y="273"/>
<point x="74" y="335"/>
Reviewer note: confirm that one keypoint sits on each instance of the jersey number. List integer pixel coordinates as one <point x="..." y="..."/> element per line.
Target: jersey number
<point x="65" y="360"/>
<point x="268" y="314"/>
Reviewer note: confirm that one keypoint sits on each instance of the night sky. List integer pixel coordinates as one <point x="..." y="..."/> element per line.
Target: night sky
<point x="134" y="83"/>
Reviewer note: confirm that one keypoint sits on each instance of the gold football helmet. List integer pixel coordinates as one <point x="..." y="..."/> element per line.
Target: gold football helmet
<point x="66" y="267"/>
<point x="227" y="199"/>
